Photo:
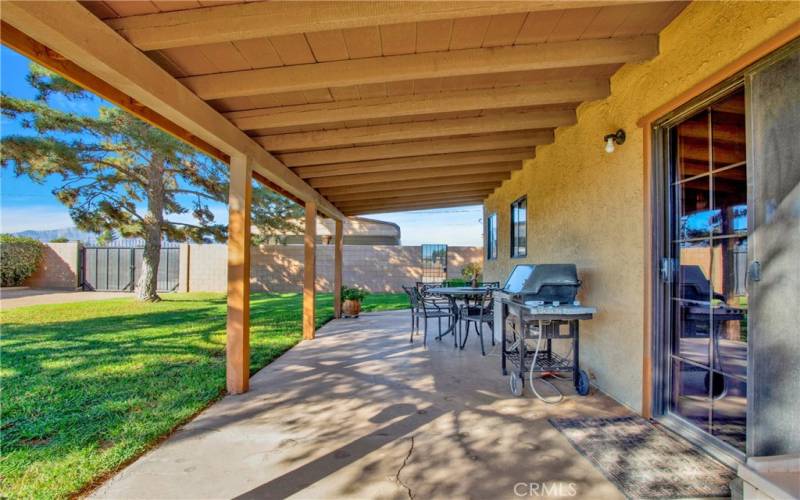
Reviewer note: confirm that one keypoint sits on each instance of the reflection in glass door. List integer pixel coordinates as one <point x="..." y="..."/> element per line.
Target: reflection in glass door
<point x="708" y="297"/>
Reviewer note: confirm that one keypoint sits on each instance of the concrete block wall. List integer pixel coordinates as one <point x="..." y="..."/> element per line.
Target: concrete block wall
<point x="458" y="257"/>
<point x="207" y="267"/>
<point x="59" y="268"/>
<point x="279" y="268"/>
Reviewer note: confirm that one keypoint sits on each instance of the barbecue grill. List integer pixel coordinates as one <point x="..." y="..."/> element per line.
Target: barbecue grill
<point x="533" y="306"/>
<point x="546" y="283"/>
<point x="695" y="312"/>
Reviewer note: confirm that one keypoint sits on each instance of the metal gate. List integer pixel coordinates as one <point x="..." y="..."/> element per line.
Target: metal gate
<point x="119" y="268"/>
<point x="434" y="263"/>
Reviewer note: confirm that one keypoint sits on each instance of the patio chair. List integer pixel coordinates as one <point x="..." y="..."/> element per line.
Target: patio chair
<point x="480" y="312"/>
<point x="428" y="307"/>
<point x="491" y="284"/>
<point x="424" y="286"/>
<point x="412" y="300"/>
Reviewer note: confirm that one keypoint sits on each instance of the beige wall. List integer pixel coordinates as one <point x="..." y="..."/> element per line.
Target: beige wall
<point x="279" y="268"/>
<point x="586" y="206"/>
<point x="59" y="267"/>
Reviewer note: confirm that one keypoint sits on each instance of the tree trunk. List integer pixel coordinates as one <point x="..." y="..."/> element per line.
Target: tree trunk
<point x="147" y="286"/>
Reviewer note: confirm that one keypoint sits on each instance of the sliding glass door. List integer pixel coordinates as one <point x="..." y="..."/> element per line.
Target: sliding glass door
<point x="727" y="348"/>
<point x="708" y="297"/>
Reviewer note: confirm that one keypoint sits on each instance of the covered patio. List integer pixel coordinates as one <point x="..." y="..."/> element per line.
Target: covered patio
<point x="348" y="108"/>
<point x="362" y="413"/>
<point x="353" y="108"/>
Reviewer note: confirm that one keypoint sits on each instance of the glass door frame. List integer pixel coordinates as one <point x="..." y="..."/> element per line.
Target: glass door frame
<point x="663" y="206"/>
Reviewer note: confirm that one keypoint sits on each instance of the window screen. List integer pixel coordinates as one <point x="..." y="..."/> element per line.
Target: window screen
<point x="491" y="237"/>
<point x="519" y="227"/>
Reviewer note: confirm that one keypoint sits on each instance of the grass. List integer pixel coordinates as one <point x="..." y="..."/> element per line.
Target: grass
<point x="87" y="387"/>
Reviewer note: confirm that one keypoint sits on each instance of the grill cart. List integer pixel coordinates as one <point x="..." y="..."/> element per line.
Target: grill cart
<point x="536" y="306"/>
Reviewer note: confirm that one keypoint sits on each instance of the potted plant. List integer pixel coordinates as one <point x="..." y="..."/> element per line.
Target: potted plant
<point x="352" y="297"/>
<point x="471" y="272"/>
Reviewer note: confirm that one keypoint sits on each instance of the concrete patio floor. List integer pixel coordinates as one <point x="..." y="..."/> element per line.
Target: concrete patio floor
<point x="361" y="413"/>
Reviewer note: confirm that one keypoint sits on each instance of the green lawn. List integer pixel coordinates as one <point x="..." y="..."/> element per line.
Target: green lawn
<point x="86" y="387"/>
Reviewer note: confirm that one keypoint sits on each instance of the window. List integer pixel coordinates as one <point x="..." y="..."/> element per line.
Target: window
<point x="491" y="237"/>
<point x="519" y="227"/>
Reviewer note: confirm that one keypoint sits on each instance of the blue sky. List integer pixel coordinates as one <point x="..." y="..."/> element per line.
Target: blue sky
<point x="27" y="205"/>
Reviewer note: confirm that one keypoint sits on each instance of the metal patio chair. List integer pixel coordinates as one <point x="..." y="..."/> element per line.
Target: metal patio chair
<point x="428" y="307"/>
<point x="478" y="313"/>
<point x="414" y="302"/>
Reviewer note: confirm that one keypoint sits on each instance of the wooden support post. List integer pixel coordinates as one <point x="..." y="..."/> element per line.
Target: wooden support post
<point x="310" y="272"/>
<point x="338" y="250"/>
<point x="238" y="340"/>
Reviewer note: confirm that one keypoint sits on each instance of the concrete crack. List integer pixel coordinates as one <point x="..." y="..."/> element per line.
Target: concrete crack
<point x="405" y="461"/>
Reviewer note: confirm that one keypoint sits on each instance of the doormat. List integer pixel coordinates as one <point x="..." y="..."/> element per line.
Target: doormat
<point x="644" y="461"/>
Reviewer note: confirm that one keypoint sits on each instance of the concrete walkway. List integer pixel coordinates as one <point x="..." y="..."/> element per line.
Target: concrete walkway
<point x="361" y="413"/>
<point x="11" y="298"/>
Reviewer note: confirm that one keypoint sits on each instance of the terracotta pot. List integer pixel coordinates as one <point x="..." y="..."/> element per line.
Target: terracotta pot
<point x="351" y="308"/>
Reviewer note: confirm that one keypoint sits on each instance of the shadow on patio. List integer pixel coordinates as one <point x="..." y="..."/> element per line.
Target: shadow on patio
<point x="360" y="412"/>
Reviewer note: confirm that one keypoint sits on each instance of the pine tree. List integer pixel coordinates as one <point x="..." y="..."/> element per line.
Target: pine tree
<point x="119" y="175"/>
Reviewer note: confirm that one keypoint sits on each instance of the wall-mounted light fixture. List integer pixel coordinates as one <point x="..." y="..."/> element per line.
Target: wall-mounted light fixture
<point x="617" y="137"/>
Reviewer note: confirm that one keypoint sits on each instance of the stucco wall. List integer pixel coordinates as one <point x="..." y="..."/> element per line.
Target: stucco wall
<point x="279" y="268"/>
<point x="586" y="206"/>
<point x="59" y="267"/>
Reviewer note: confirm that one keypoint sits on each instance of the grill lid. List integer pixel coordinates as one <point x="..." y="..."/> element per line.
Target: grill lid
<point x="546" y="282"/>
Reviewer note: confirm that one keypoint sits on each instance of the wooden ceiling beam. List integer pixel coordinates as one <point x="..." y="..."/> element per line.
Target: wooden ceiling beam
<point x="410" y="207"/>
<point x="527" y="138"/>
<point x="54" y="61"/>
<point x="557" y="93"/>
<point x="414" y="162"/>
<point x="378" y="177"/>
<point x="697" y="150"/>
<point x="723" y="132"/>
<point x="419" y="191"/>
<point x="406" y="196"/>
<point x="227" y="23"/>
<point x="505" y="122"/>
<point x="384" y="69"/>
<point x="77" y="35"/>
<point x="413" y="206"/>
<point x="410" y="202"/>
<point x="440" y="182"/>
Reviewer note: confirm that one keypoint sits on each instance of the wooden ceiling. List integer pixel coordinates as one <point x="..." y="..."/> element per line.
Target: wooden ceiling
<point x="389" y="106"/>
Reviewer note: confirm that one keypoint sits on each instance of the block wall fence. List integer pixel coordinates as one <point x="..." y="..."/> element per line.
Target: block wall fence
<point x="59" y="268"/>
<point x="273" y="268"/>
<point x="279" y="268"/>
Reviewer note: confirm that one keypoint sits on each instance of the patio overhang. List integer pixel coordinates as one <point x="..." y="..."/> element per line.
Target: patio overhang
<point x="345" y="107"/>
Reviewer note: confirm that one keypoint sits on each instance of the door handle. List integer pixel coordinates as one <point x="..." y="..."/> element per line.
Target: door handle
<point x="753" y="273"/>
<point x="666" y="270"/>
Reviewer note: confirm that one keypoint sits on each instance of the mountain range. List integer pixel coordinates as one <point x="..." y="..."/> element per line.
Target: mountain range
<point x="70" y="233"/>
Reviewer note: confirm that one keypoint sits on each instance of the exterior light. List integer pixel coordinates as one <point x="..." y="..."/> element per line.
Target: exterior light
<point x="617" y="137"/>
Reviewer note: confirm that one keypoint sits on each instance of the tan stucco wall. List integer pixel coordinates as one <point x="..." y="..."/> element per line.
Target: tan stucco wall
<point x="58" y="268"/>
<point x="586" y="206"/>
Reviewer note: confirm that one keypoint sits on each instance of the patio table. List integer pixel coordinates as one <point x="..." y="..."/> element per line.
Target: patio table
<point x="453" y="294"/>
